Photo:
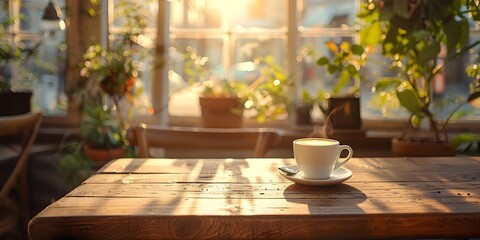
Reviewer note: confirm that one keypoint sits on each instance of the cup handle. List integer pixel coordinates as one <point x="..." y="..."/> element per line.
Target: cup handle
<point x="342" y="161"/>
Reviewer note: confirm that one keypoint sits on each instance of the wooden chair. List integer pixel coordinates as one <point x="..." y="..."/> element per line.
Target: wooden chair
<point x="258" y="140"/>
<point x="17" y="130"/>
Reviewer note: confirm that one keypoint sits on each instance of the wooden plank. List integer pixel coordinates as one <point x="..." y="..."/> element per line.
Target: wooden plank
<point x="181" y="205"/>
<point x="274" y="177"/>
<point x="372" y="189"/>
<point x="259" y="226"/>
<point x="167" y="166"/>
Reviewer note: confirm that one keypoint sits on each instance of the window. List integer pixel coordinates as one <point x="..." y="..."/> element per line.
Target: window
<point x="47" y="69"/>
<point x="231" y="34"/>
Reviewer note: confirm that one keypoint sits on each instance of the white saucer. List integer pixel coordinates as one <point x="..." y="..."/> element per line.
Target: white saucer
<point x="338" y="176"/>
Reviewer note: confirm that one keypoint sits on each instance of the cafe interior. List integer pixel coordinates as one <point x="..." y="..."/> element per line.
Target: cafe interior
<point x="85" y="82"/>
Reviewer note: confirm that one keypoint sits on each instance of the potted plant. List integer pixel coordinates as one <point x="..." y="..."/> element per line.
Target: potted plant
<point x="219" y="104"/>
<point x="343" y="101"/>
<point x="104" y="137"/>
<point x="15" y="85"/>
<point x="411" y="35"/>
<point x="108" y="84"/>
<point x="223" y="102"/>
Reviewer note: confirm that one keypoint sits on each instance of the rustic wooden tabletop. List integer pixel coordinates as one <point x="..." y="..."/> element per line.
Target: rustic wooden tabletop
<point x="248" y="198"/>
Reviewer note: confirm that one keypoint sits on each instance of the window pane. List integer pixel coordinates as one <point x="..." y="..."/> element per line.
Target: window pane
<point x="3" y="10"/>
<point x="270" y="14"/>
<point x="33" y="10"/>
<point x="326" y="13"/>
<point x="148" y="9"/>
<point x="196" y="14"/>
<point x="248" y="49"/>
<point x="184" y="87"/>
<point x="45" y="71"/>
<point x="229" y="14"/>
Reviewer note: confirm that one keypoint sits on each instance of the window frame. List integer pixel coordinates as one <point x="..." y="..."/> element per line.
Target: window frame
<point x="71" y="117"/>
<point x="160" y="85"/>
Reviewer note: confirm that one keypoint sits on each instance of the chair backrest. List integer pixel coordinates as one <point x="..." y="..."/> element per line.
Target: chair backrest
<point x="25" y="127"/>
<point x="258" y="140"/>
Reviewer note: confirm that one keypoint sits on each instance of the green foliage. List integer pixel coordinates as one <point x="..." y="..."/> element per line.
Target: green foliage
<point x="100" y="129"/>
<point x="267" y="96"/>
<point x="307" y="99"/>
<point x="197" y="70"/>
<point x="111" y="69"/>
<point x="410" y="100"/>
<point x="412" y="34"/>
<point x="76" y="165"/>
<point x="387" y="83"/>
<point x="467" y="143"/>
<point x="473" y="71"/>
<point x="12" y="56"/>
<point x="347" y="63"/>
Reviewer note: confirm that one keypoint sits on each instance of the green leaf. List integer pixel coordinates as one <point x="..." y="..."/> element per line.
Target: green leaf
<point x="429" y="52"/>
<point x="409" y="100"/>
<point x="342" y="81"/>
<point x="357" y="49"/>
<point x="386" y="83"/>
<point x="461" y="113"/>
<point x="464" y="137"/>
<point x="466" y="143"/>
<point x="323" y="61"/>
<point x="415" y="120"/>
<point x="453" y="30"/>
<point x="371" y="35"/>
<point x="332" y="69"/>
<point x="351" y="69"/>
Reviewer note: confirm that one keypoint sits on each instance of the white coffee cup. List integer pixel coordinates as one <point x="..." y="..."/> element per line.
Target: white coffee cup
<point x="317" y="158"/>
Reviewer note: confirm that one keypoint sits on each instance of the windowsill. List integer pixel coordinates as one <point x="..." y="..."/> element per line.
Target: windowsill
<point x="373" y="140"/>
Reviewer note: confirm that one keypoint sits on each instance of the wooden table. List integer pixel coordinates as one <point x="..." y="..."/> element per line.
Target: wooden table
<point x="247" y="198"/>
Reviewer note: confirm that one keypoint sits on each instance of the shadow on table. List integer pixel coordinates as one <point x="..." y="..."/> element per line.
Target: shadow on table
<point x="326" y="199"/>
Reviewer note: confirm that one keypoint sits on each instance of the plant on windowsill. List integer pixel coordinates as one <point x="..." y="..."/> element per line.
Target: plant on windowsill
<point x="16" y="81"/>
<point x="223" y="102"/>
<point x="411" y="35"/>
<point x="343" y="101"/>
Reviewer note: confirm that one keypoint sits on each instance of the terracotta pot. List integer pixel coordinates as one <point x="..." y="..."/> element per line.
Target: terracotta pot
<point x="348" y="116"/>
<point x="402" y="148"/>
<point x="221" y="112"/>
<point x="15" y="103"/>
<point x="102" y="155"/>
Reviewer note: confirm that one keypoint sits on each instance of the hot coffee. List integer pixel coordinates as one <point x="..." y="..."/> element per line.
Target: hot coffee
<point x="317" y="158"/>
